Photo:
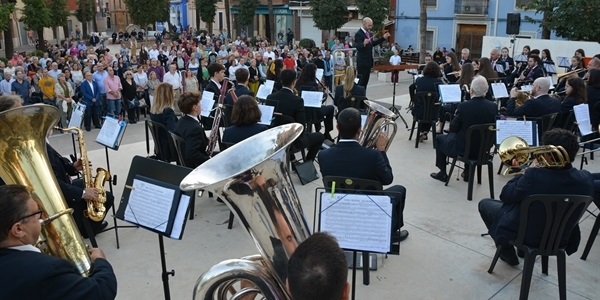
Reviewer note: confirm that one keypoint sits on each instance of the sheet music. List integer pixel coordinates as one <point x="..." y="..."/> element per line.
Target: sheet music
<point x="320" y="74"/>
<point x="266" y="114"/>
<point x="499" y="90"/>
<point x="149" y="205"/>
<point x="499" y="68"/>
<point x="526" y="130"/>
<point x="312" y="99"/>
<point x="520" y="58"/>
<point x="582" y="116"/>
<point x="526" y="88"/>
<point x="77" y="115"/>
<point x="110" y="132"/>
<point x="550" y="68"/>
<point x="356" y="80"/>
<point x="264" y="90"/>
<point x="206" y="103"/>
<point x="359" y="222"/>
<point x="563" y="62"/>
<point x="180" y="217"/>
<point x="551" y="81"/>
<point x="450" y="93"/>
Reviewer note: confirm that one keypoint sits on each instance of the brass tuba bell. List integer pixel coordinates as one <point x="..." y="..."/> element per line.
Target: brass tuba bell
<point x="379" y="119"/>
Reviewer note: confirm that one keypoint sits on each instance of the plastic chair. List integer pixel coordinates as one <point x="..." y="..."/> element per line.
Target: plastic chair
<point x="590" y="242"/>
<point x="483" y="135"/>
<point x="562" y="213"/>
<point x="355" y="184"/>
<point x="160" y="133"/>
<point x="429" y="103"/>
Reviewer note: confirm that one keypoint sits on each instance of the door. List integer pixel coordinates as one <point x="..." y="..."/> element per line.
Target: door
<point x="470" y="36"/>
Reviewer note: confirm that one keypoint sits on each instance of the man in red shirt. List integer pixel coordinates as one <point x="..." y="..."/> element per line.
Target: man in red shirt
<point x="289" y="62"/>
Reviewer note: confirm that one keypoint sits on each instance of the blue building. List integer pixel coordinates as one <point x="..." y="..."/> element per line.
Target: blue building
<point x="461" y="23"/>
<point x="178" y="13"/>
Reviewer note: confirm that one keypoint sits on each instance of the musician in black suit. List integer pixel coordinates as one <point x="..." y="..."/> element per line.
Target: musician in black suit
<point x="535" y="70"/>
<point x="427" y="83"/>
<point x="292" y="106"/>
<point x="242" y="76"/>
<point x="346" y="91"/>
<point x="189" y="128"/>
<point x="216" y="71"/>
<point x="29" y="274"/>
<point x="476" y="111"/>
<point x="364" y="43"/>
<point x="540" y="105"/>
<point x="349" y="159"/>
<point x="244" y="119"/>
<point x="501" y="217"/>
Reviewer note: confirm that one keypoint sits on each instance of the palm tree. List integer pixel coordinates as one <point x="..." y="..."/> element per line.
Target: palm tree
<point x="423" y="31"/>
<point x="270" y="22"/>
<point x="228" y="18"/>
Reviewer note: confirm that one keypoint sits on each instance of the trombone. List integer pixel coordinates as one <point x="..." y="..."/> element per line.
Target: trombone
<point x="515" y="153"/>
<point x="563" y="75"/>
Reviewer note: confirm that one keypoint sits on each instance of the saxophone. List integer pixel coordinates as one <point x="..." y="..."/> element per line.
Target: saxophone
<point x="95" y="209"/>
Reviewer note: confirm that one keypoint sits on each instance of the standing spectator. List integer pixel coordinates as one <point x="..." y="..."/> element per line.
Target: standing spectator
<point x="130" y="97"/>
<point x="156" y="68"/>
<point x="113" y="87"/>
<point x="47" y="84"/>
<point x="22" y="87"/>
<point x="6" y="85"/>
<point x="328" y="66"/>
<point x="153" y="82"/>
<point x="190" y="83"/>
<point x="290" y="37"/>
<point x="64" y="92"/>
<point x="90" y="92"/>
<point x="174" y="79"/>
<point x="99" y="77"/>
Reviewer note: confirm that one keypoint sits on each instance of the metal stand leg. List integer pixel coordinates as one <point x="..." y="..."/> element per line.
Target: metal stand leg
<point x="165" y="274"/>
<point x="396" y="110"/>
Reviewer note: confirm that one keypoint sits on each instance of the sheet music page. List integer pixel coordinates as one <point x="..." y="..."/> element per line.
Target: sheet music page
<point x="109" y="133"/>
<point x="77" y="115"/>
<point x="499" y="90"/>
<point x="550" y="68"/>
<point x="356" y="80"/>
<point x="551" y="81"/>
<point x="264" y="91"/>
<point x="149" y="205"/>
<point x="563" y="62"/>
<point x="266" y="112"/>
<point x="320" y="74"/>
<point x="359" y="222"/>
<point x="582" y="116"/>
<point x="312" y="99"/>
<point x="520" y="58"/>
<point x="450" y="93"/>
<point x="206" y="103"/>
<point x="526" y="88"/>
<point x="269" y="83"/>
<point x="522" y="129"/>
<point x="499" y="68"/>
<point x="180" y="217"/>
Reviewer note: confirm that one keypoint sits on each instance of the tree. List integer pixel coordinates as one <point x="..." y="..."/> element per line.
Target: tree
<point x="329" y="14"/>
<point x="59" y="12"/>
<point x="207" y="9"/>
<point x="227" y="16"/>
<point x="546" y="8"/>
<point x="146" y="12"/>
<point x="6" y="9"/>
<point x="423" y="31"/>
<point x="377" y="10"/>
<point x="36" y="16"/>
<point x="270" y="21"/>
<point x="247" y="11"/>
<point x="84" y="13"/>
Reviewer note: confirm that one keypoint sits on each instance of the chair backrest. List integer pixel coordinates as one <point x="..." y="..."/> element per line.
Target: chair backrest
<point x="227" y="111"/>
<point x="179" y="144"/>
<point x="546" y="221"/>
<point x="357" y="102"/>
<point x="568" y="123"/>
<point x="428" y="101"/>
<point x="347" y="183"/>
<point x="545" y="123"/>
<point x="161" y="134"/>
<point x="479" y="141"/>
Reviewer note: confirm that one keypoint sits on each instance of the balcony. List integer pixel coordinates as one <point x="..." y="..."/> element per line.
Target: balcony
<point x="471" y="7"/>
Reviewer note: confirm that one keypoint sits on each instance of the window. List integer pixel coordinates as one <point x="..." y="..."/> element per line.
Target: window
<point x="429" y="39"/>
<point x="220" y="20"/>
<point x="433" y="3"/>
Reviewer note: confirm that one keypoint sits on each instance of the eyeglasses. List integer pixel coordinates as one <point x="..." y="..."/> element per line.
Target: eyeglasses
<point x="38" y="213"/>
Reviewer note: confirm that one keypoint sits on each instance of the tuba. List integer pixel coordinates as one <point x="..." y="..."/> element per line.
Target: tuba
<point x="514" y="152"/>
<point x="252" y="177"/>
<point x="378" y="119"/>
<point x="24" y="158"/>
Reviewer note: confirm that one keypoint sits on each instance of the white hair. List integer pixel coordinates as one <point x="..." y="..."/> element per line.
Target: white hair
<point x="479" y="86"/>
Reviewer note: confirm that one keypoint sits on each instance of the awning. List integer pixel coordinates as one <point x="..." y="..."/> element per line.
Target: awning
<point x="351" y="26"/>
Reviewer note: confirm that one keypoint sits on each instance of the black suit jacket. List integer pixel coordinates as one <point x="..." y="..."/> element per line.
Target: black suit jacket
<point x="235" y="134"/>
<point x="538" y="71"/>
<point x="537" y="107"/>
<point x="350" y="159"/>
<point x="289" y="105"/>
<point x="212" y="87"/>
<point x="364" y="53"/>
<point x="29" y="275"/>
<point x="63" y="170"/>
<point x="168" y="119"/>
<point x="593" y="97"/>
<point x="240" y="90"/>
<point x="194" y="148"/>
<point x="339" y="99"/>
<point x="538" y="181"/>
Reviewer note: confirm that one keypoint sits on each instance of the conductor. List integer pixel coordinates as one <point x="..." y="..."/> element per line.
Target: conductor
<point x="363" y="39"/>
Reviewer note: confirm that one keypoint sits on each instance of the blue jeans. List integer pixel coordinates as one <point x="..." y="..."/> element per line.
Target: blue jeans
<point x="113" y="107"/>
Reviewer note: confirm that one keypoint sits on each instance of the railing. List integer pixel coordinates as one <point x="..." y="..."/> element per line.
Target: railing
<point x="471" y="7"/>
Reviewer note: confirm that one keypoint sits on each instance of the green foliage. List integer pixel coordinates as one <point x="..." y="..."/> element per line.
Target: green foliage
<point x="306" y="43"/>
<point x="85" y="11"/>
<point x="36" y="52"/>
<point x="36" y="15"/>
<point x="207" y="9"/>
<point x="377" y="10"/>
<point x="58" y="12"/>
<point x="247" y="11"/>
<point x="5" y="11"/>
<point x="329" y="14"/>
<point x="388" y="54"/>
<point x="144" y="12"/>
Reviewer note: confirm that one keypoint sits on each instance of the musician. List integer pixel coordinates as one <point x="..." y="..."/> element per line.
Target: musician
<point x="467" y="73"/>
<point x="464" y="56"/>
<point x="576" y="64"/>
<point x="192" y="132"/>
<point x="520" y="68"/>
<point x="292" y="106"/>
<point x="580" y="53"/>
<point x="364" y="43"/>
<point x="317" y="270"/>
<point x="308" y="81"/>
<point x="576" y="94"/>
<point x="341" y="160"/>
<point x="593" y="96"/>
<point x="534" y="69"/>
<point x="427" y="83"/>
<point x="216" y="71"/>
<point x="29" y="274"/>
<point x="547" y="57"/>
<point x="540" y="105"/>
<point x="497" y="65"/>
<point x="163" y="113"/>
<point x="506" y="60"/>
<point x="473" y="112"/>
<point x="245" y="116"/>
<point x="347" y="90"/>
<point x="241" y="87"/>
<point x="501" y="217"/>
<point x="450" y="66"/>
<point x="485" y="69"/>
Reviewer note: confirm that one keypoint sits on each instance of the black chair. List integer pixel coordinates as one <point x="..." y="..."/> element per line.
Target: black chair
<point x="346" y="183"/>
<point x="485" y="134"/>
<point x="590" y="242"/>
<point x="160" y="133"/>
<point x="357" y="102"/>
<point x="429" y="103"/>
<point x="179" y="143"/>
<point x="562" y="213"/>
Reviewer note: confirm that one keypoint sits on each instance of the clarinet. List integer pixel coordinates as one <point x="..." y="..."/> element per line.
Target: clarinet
<point x="214" y="131"/>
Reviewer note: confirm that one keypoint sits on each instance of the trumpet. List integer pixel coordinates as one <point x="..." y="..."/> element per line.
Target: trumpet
<point x="515" y="153"/>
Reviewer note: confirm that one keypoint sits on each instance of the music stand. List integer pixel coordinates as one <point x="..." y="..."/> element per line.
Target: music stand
<point x="143" y="171"/>
<point x="563" y="62"/>
<point x="390" y="68"/>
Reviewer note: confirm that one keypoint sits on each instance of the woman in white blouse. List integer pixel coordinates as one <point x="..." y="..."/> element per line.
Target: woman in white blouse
<point x="76" y="74"/>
